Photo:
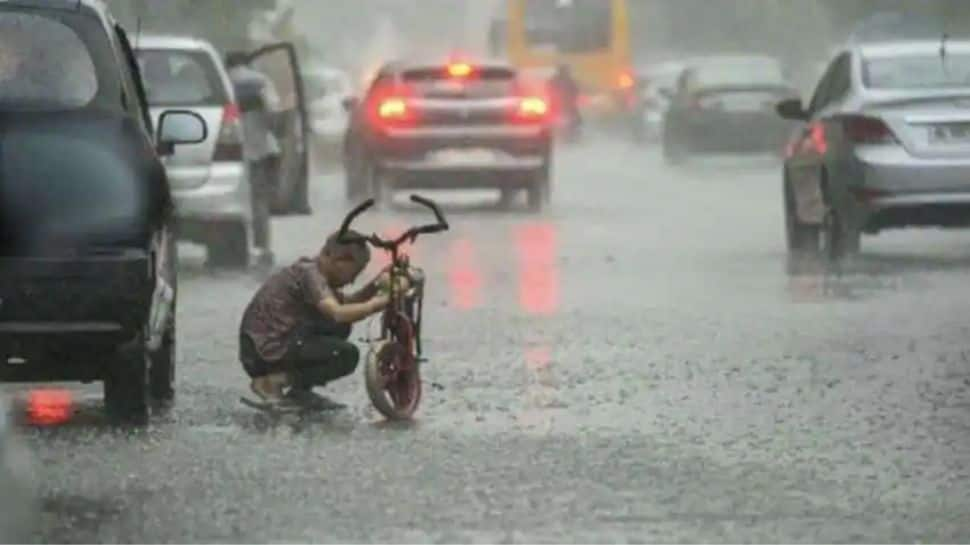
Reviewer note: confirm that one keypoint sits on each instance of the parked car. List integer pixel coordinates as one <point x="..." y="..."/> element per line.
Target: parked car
<point x="327" y="90"/>
<point x="453" y="125"/>
<point x="210" y="180"/>
<point x="88" y="275"/>
<point x="726" y="104"/>
<point x="885" y="145"/>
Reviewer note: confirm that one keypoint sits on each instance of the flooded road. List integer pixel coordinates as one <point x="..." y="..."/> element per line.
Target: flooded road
<point x="633" y="364"/>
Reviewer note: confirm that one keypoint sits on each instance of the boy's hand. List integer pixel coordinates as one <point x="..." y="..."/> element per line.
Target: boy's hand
<point x="379" y="302"/>
<point x="384" y="283"/>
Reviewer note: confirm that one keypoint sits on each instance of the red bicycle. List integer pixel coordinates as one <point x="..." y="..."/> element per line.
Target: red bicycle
<point x="392" y="368"/>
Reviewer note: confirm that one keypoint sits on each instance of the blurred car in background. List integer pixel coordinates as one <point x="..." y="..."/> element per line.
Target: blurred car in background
<point x="656" y="85"/>
<point x="885" y="144"/>
<point x="19" y="504"/>
<point x="451" y="125"/>
<point x="727" y="104"/>
<point x="327" y="89"/>
<point x="210" y="180"/>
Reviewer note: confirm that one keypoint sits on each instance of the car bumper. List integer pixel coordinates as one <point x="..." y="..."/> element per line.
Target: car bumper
<point x="224" y="196"/>
<point x="896" y="190"/>
<point x="737" y="133"/>
<point x="60" y="317"/>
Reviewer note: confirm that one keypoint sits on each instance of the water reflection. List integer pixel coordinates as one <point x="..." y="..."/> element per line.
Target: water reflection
<point x="538" y="273"/>
<point x="464" y="276"/>
<point x="48" y="407"/>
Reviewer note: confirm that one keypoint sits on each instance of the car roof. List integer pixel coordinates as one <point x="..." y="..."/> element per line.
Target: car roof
<point x="910" y="47"/>
<point x="172" y="41"/>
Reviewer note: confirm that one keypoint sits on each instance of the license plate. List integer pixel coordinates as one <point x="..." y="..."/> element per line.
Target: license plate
<point x="464" y="156"/>
<point x="950" y="133"/>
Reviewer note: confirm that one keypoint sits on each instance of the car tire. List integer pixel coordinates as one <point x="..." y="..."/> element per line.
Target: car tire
<point x="126" y="384"/>
<point x="803" y="239"/>
<point x="230" y="247"/>
<point x="162" y="373"/>
<point x="538" y="193"/>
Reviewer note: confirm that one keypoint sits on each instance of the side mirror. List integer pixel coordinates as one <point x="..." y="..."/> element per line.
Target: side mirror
<point x="792" y="109"/>
<point x="177" y="127"/>
<point x="349" y="104"/>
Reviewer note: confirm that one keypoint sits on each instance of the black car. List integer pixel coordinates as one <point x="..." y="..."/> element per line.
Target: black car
<point x="453" y="125"/>
<point x="87" y="252"/>
<point x="726" y="104"/>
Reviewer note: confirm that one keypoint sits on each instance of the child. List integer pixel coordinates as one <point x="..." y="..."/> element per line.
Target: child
<point x="294" y="332"/>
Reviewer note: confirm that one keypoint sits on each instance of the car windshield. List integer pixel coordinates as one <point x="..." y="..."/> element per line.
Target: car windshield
<point x="924" y="71"/>
<point x="568" y="27"/>
<point x="44" y="64"/>
<point x="740" y="72"/>
<point x="181" y="78"/>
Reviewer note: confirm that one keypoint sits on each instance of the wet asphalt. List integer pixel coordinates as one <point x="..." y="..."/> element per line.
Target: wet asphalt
<point x="635" y="363"/>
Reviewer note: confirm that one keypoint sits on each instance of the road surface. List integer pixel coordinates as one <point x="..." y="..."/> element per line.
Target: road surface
<point x="632" y="364"/>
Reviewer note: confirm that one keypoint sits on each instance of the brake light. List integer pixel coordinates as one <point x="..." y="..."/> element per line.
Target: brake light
<point x="867" y="130"/>
<point x="459" y="70"/>
<point x="392" y="108"/>
<point x="532" y="107"/>
<point x="817" y="136"/>
<point x="626" y="81"/>
<point x="229" y="146"/>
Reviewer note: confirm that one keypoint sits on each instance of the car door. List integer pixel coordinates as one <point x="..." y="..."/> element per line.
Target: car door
<point x="290" y="124"/>
<point x="810" y="150"/>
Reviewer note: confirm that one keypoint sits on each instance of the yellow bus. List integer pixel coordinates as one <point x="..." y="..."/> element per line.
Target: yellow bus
<point x="592" y="37"/>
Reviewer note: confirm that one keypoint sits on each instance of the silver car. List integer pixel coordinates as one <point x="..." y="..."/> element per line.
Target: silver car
<point x="210" y="180"/>
<point x="885" y="145"/>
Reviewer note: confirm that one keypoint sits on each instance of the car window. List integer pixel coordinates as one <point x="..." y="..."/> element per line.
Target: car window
<point x="436" y="83"/>
<point x="918" y="71"/>
<point x="841" y="79"/>
<point x="729" y="72"/>
<point x="821" y="96"/>
<point x="181" y="78"/>
<point x="44" y="64"/>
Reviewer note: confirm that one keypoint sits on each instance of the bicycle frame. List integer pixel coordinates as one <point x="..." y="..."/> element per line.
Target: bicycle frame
<point x="411" y="303"/>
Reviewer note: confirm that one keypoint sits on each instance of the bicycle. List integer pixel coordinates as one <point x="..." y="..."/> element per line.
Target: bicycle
<point x="392" y="368"/>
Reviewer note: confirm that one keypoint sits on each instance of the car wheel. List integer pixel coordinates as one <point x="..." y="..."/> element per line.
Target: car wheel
<point x="229" y="246"/>
<point x="802" y="238"/>
<point x="126" y="384"/>
<point x="537" y="194"/>
<point x="162" y="373"/>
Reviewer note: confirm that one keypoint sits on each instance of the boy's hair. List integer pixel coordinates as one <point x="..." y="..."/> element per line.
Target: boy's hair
<point x="359" y="252"/>
<point x="235" y="58"/>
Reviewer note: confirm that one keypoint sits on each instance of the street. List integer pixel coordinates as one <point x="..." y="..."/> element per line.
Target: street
<point x="632" y="364"/>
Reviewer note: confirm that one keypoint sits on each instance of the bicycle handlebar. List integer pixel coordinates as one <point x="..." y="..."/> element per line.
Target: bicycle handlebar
<point x="411" y="234"/>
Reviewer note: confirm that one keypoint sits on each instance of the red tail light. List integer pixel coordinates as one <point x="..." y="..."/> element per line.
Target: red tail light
<point x="229" y="146"/>
<point x="392" y="108"/>
<point x="459" y="70"/>
<point x="867" y="130"/>
<point x="533" y="108"/>
<point x="818" y="139"/>
<point x="626" y="81"/>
